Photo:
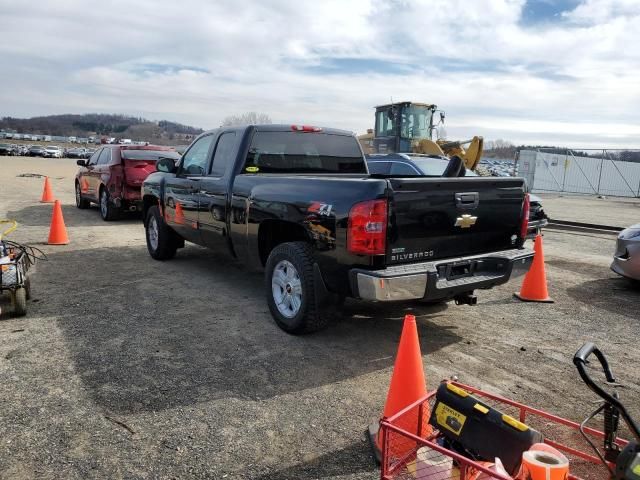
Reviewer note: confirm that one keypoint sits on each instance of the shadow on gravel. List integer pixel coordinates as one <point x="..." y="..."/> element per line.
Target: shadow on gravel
<point x="617" y="295"/>
<point x="39" y="215"/>
<point x="351" y="460"/>
<point x="148" y="335"/>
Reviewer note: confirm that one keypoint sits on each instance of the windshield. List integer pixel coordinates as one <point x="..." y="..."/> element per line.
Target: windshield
<point x="415" y="122"/>
<point x="295" y="152"/>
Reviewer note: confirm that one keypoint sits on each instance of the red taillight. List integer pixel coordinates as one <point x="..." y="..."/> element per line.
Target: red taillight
<point x="305" y="128"/>
<point x="524" y="225"/>
<point x="367" y="232"/>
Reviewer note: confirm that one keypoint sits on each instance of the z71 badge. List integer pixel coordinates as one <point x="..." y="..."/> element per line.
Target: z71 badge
<point x="320" y="208"/>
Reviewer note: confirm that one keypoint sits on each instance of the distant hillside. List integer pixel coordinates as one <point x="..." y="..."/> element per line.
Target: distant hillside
<point x="98" y="124"/>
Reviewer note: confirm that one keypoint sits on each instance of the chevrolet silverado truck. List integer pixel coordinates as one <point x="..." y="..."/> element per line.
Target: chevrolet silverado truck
<point x="299" y="202"/>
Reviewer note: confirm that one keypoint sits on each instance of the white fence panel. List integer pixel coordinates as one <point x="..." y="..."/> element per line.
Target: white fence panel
<point x="554" y="172"/>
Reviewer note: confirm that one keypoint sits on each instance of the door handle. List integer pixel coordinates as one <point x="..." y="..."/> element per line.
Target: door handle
<point x="467" y="200"/>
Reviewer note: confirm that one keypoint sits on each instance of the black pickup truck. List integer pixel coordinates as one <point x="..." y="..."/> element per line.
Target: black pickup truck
<point x="299" y="202"/>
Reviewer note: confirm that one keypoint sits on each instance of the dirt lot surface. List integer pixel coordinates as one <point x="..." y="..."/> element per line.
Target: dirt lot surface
<point x="612" y="211"/>
<point x="126" y="367"/>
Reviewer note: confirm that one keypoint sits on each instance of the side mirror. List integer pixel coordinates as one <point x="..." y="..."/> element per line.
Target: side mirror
<point x="166" y="165"/>
<point x="81" y="163"/>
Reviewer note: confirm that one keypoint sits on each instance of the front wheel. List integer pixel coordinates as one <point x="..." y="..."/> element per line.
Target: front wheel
<point x="162" y="241"/>
<point x="290" y="289"/>
<point x="81" y="202"/>
<point x="108" y="210"/>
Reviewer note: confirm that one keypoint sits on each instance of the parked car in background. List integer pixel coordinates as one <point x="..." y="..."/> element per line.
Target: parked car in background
<point x="52" y="152"/>
<point x="537" y="218"/>
<point x="113" y="175"/>
<point x="405" y="164"/>
<point x="23" y="149"/>
<point x="409" y="164"/>
<point x="76" y="153"/>
<point x="626" y="259"/>
<point x="7" y="149"/>
<point x="36" y="151"/>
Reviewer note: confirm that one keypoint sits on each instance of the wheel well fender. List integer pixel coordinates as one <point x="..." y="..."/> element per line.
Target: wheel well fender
<point x="274" y="232"/>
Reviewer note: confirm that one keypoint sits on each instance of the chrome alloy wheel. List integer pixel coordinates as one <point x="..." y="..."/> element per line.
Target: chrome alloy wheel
<point x="286" y="288"/>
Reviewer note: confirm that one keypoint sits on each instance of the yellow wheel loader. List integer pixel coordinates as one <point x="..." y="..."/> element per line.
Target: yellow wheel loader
<point x="408" y="127"/>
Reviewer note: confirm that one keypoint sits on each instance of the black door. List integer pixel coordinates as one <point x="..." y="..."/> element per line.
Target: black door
<point x="182" y="191"/>
<point x="214" y="193"/>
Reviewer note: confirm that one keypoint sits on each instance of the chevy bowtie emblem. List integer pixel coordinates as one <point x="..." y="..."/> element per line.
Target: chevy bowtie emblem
<point x="465" y="221"/>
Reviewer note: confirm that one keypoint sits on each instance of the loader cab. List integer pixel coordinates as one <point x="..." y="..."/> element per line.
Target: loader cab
<point x="399" y="126"/>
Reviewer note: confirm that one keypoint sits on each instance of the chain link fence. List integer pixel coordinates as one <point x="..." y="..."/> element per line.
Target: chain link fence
<point x="614" y="172"/>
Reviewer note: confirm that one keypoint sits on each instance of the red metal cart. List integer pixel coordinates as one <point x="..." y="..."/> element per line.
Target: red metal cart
<point x="416" y="455"/>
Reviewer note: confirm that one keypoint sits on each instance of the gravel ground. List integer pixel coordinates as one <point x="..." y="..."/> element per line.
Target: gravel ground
<point x="130" y="368"/>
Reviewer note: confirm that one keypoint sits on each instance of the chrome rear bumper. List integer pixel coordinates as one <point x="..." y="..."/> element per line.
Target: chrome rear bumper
<point x="440" y="279"/>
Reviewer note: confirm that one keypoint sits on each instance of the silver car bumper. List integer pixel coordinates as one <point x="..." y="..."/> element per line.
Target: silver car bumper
<point x="626" y="260"/>
<point x="440" y="279"/>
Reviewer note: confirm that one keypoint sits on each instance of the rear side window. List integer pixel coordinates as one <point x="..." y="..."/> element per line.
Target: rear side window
<point x="296" y="152"/>
<point x="224" y="152"/>
<point x="399" y="168"/>
<point x="379" y="168"/>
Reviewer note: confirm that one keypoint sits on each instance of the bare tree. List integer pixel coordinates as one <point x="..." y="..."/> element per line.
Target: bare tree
<point x="248" y="118"/>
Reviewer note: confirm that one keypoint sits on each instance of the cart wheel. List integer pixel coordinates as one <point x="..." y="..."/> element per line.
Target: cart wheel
<point x="27" y="287"/>
<point x="19" y="300"/>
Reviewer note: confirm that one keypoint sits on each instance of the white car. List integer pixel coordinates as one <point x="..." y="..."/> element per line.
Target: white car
<point x="53" y="152"/>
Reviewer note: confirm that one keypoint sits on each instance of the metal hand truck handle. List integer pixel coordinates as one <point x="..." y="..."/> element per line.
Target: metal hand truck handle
<point x="580" y="360"/>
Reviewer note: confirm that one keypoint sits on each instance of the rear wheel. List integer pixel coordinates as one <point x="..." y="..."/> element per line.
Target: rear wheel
<point x="19" y="300"/>
<point x="162" y="241"/>
<point x="108" y="210"/>
<point x="289" y="283"/>
<point x="81" y="202"/>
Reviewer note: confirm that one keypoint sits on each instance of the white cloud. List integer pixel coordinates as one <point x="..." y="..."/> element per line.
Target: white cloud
<point x="493" y="74"/>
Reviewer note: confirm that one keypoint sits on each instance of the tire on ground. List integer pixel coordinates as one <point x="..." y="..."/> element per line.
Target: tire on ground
<point x="111" y="212"/>
<point x="81" y="203"/>
<point x="19" y="300"/>
<point x="168" y="241"/>
<point x="308" y="318"/>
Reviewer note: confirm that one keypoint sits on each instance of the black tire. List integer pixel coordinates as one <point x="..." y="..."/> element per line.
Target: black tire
<point x="108" y="210"/>
<point x="308" y="317"/>
<point x="167" y="240"/>
<point x="19" y="300"/>
<point x="81" y="203"/>
<point x="27" y="287"/>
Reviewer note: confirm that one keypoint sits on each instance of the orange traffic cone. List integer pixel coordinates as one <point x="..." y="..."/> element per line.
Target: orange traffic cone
<point x="47" y="194"/>
<point x="534" y="286"/>
<point x="57" y="232"/>
<point x="84" y="185"/>
<point x="179" y="218"/>
<point x="407" y="386"/>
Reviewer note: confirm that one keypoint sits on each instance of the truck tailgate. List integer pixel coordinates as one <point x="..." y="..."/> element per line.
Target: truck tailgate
<point x="434" y="218"/>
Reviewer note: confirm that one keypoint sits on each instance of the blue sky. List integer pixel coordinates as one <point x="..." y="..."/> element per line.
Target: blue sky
<point x="546" y="71"/>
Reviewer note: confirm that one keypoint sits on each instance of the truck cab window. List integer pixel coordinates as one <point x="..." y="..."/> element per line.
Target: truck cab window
<point x="223" y="156"/>
<point x="194" y="161"/>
